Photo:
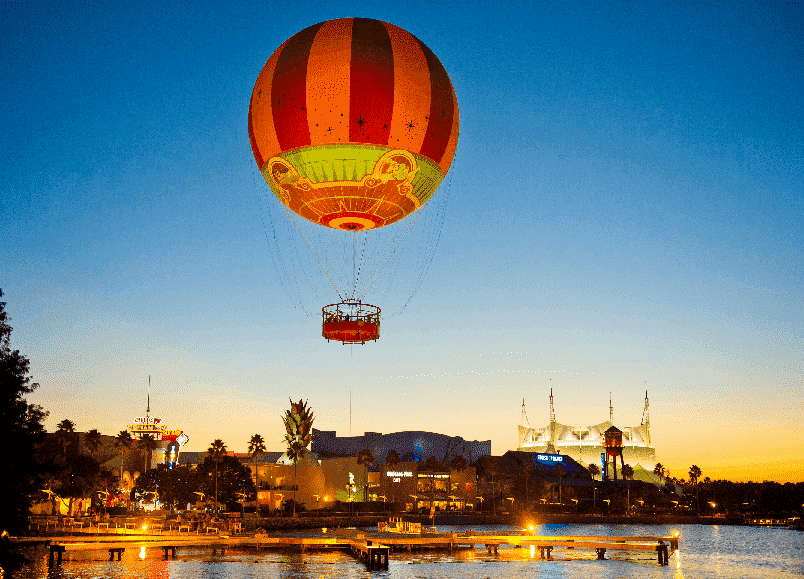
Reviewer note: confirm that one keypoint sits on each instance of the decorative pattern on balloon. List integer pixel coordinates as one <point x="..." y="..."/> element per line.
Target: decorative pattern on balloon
<point x="379" y="198"/>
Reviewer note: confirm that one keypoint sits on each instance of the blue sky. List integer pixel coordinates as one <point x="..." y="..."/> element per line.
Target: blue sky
<point x="625" y="213"/>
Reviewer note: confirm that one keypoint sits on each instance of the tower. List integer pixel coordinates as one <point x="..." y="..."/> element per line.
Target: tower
<point x="613" y="447"/>
<point x="524" y="415"/>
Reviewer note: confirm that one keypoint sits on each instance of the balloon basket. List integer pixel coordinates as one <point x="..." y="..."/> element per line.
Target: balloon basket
<point x="351" y="322"/>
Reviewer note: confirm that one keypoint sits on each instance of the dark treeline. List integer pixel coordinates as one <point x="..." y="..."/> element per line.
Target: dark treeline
<point x="751" y="497"/>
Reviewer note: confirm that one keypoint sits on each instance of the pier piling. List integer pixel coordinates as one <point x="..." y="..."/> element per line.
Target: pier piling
<point x="56" y="550"/>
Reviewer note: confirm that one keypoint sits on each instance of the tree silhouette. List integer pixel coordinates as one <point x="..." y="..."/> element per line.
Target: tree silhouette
<point x="392" y="458"/>
<point x="658" y="470"/>
<point x="147" y="443"/>
<point x="93" y="441"/>
<point x="594" y="470"/>
<point x="628" y="472"/>
<point x="216" y="451"/>
<point x="234" y="479"/>
<point x="628" y="475"/>
<point x="21" y="429"/>
<point x="256" y="447"/>
<point x="366" y="459"/>
<point x="65" y="432"/>
<point x="695" y="475"/>
<point x="123" y="442"/>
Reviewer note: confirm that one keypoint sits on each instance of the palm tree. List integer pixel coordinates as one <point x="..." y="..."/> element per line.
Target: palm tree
<point x="658" y="470"/>
<point x="123" y="442"/>
<point x="298" y="422"/>
<point x="628" y="475"/>
<point x="147" y="444"/>
<point x="695" y="474"/>
<point x="256" y="447"/>
<point x="366" y="459"/>
<point x="65" y="432"/>
<point x="216" y="451"/>
<point x="93" y="441"/>
<point x="295" y="452"/>
<point x="392" y="459"/>
<point x="594" y="470"/>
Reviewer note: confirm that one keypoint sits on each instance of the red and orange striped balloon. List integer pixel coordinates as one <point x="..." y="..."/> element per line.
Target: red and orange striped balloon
<point x="353" y="123"/>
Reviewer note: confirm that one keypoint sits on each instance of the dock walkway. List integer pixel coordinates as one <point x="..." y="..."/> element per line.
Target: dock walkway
<point x="371" y="547"/>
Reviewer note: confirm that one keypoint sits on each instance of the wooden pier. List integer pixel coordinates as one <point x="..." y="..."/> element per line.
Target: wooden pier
<point x="370" y="547"/>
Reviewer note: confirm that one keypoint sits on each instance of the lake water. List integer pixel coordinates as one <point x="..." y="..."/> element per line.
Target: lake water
<point x="704" y="552"/>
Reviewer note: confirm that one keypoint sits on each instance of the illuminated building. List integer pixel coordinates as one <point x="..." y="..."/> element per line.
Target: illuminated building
<point x="586" y="443"/>
<point x="408" y="484"/>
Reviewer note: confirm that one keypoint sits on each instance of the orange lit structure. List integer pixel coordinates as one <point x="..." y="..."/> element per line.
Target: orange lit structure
<point x="613" y="447"/>
<point x="351" y="322"/>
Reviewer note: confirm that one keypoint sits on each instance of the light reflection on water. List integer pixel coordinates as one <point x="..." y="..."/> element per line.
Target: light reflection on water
<point x="707" y="552"/>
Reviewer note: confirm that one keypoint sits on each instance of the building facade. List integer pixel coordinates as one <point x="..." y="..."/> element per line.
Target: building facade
<point x="405" y="483"/>
<point x="411" y="446"/>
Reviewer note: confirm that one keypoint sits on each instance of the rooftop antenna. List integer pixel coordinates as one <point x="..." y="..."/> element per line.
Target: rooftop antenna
<point x="611" y="410"/>
<point x="552" y="410"/>
<point x="148" y="408"/>
<point x="646" y="416"/>
<point x="524" y="415"/>
<point x="552" y="419"/>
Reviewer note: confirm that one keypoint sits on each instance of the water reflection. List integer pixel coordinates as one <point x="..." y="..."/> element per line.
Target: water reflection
<point x="705" y="552"/>
<point x="677" y="560"/>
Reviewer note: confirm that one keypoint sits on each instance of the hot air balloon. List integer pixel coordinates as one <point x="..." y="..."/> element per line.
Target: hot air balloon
<point x="353" y="124"/>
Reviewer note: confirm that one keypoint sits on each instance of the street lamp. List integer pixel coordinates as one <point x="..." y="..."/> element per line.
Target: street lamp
<point x="243" y="497"/>
<point x="200" y="494"/>
<point x="576" y="505"/>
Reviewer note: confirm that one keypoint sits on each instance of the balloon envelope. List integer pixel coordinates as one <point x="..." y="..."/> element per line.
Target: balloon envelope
<point x="353" y="123"/>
